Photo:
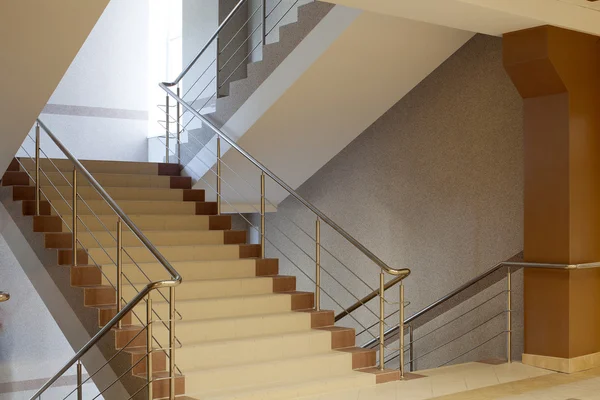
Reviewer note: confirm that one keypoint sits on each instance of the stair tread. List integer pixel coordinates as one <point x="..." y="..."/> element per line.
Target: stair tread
<point x="252" y="391"/>
<point x="236" y="298"/>
<point x="239" y="317"/>
<point x="214" y="280"/>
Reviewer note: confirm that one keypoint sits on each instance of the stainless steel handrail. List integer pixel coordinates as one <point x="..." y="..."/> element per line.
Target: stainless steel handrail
<point x="207" y="45"/>
<point x="175" y="276"/>
<point x="306" y="203"/>
<point x="4" y="296"/>
<point x="391" y="331"/>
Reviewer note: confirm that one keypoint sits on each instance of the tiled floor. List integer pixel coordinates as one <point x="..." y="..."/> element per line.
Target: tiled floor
<point x="455" y="380"/>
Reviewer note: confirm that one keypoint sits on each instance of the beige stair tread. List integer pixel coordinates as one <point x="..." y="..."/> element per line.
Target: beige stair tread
<point x="263" y="375"/>
<point x="241" y="326"/>
<point x="251" y="350"/>
<point x="288" y="390"/>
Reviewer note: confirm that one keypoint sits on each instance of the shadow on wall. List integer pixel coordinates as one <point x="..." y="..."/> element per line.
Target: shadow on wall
<point x="435" y="185"/>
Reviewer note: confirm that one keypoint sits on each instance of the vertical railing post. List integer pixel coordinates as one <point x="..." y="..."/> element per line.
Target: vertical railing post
<point x="179" y="125"/>
<point x="401" y="329"/>
<point x="119" y="267"/>
<point x="79" y="381"/>
<point x="411" y="353"/>
<point x="149" y="346"/>
<point x="381" y="322"/>
<point x="75" y="216"/>
<point x="318" y="265"/>
<point x="219" y="194"/>
<point x="172" y="343"/>
<point x="167" y="130"/>
<point x="262" y="214"/>
<point x="37" y="170"/>
<point x="264" y="23"/>
<point x="509" y="318"/>
<point x="218" y="73"/>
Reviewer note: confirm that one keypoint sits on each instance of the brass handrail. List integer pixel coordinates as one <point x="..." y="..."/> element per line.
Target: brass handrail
<point x="382" y="265"/>
<point x="391" y="332"/>
<point x="370" y="297"/>
<point x="168" y="283"/>
<point x="4" y="296"/>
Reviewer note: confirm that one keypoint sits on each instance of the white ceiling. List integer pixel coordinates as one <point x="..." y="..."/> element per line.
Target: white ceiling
<point x="492" y="17"/>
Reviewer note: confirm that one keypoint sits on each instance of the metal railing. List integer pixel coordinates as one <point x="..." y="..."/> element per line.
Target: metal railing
<point x="4" y="297"/>
<point x="233" y="52"/>
<point x="420" y="318"/>
<point x="122" y="311"/>
<point x="184" y="103"/>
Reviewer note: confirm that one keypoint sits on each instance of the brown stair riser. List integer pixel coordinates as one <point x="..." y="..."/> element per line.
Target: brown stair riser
<point x="65" y="256"/>
<point x="267" y="266"/>
<point x="159" y="362"/>
<point x="123" y="336"/>
<point x="85" y="276"/>
<point x="206" y="208"/>
<point x="14" y="165"/>
<point x="302" y="300"/>
<point x="181" y="182"/>
<point x="64" y="240"/>
<point x="361" y="358"/>
<point x="53" y="223"/>
<point x="21" y="193"/>
<point x="169" y="169"/>
<point x="12" y="178"/>
<point x="98" y="296"/>
<point x="28" y="207"/>
<point x="106" y="314"/>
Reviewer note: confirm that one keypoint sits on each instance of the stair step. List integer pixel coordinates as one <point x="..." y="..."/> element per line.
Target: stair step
<point x="172" y="253"/>
<point x="104" y="166"/>
<point x="226" y="307"/>
<point x="256" y="349"/>
<point x="117" y="193"/>
<point x="206" y="330"/>
<point x="196" y="270"/>
<point x="138" y="207"/>
<point x="290" y="390"/>
<point x="219" y="288"/>
<point x="159" y="238"/>
<point x="143" y="222"/>
<point x="285" y="371"/>
<point x="114" y="180"/>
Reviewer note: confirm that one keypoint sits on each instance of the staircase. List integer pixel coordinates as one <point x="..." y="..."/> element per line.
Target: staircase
<point x="243" y="331"/>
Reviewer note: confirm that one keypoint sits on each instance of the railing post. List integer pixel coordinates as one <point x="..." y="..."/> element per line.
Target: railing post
<point x="264" y="23"/>
<point x="149" y="346"/>
<point x="79" y="381"/>
<point x="411" y="354"/>
<point x="119" y="267"/>
<point x="172" y="343"/>
<point x="179" y="125"/>
<point x="262" y="214"/>
<point x="219" y="175"/>
<point x="37" y="170"/>
<point x="509" y="318"/>
<point x="381" y="322"/>
<point x="75" y="217"/>
<point x="318" y="265"/>
<point x="401" y="329"/>
<point x="167" y="130"/>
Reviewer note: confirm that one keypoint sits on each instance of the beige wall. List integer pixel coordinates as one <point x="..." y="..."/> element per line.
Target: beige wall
<point x="435" y="185"/>
<point x="38" y="41"/>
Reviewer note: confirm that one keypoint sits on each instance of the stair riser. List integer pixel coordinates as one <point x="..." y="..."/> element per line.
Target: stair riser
<point x="119" y="194"/>
<point x="104" y="167"/>
<point x="173" y="254"/>
<point x="106" y="239"/>
<point x="134" y="208"/>
<point x="237" y="269"/>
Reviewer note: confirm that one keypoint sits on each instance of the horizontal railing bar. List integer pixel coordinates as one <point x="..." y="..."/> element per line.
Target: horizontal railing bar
<point x="368" y="298"/>
<point x="291" y="191"/>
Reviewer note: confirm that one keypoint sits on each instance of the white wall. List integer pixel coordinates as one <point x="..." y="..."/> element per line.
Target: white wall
<point x="99" y="110"/>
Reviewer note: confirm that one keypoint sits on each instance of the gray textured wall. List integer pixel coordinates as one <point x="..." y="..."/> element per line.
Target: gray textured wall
<point x="435" y="185"/>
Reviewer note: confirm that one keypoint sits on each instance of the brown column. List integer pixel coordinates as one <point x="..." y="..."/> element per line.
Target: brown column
<point x="557" y="72"/>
